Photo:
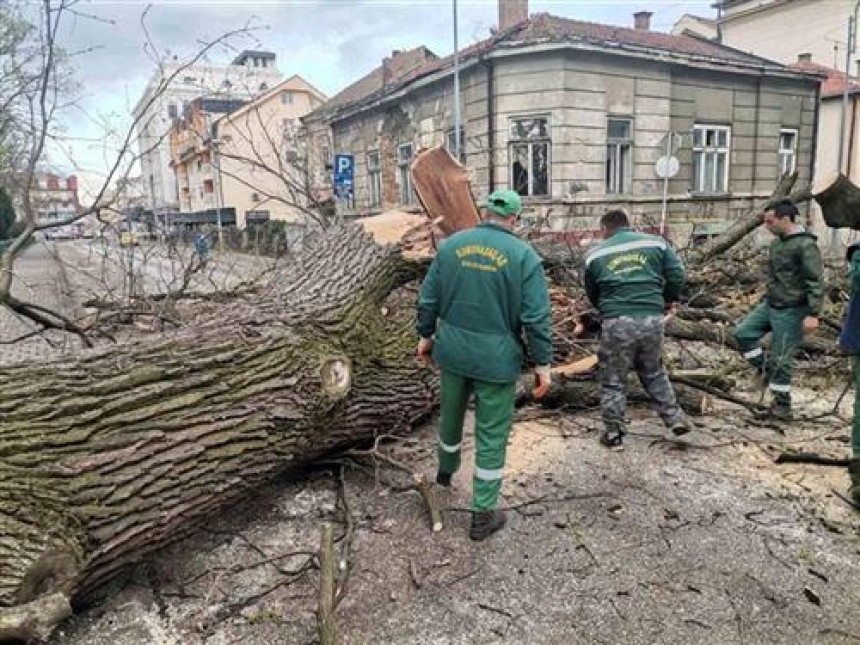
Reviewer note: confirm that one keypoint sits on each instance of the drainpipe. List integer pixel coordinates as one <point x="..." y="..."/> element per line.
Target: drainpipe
<point x="851" y="133"/>
<point x="814" y="152"/>
<point x="755" y="129"/>
<point x="491" y="123"/>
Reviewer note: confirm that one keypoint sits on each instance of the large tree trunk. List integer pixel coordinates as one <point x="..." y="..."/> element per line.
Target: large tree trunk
<point x="119" y="452"/>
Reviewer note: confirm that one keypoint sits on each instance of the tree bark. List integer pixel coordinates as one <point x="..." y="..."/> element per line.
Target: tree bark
<point x="112" y="455"/>
<point x="585" y="394"/>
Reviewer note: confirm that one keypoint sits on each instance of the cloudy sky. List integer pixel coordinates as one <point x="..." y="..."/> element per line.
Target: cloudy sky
<point x="331" y="43"/>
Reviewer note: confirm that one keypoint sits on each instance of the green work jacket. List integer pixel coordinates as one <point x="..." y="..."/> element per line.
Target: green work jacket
<point x="484" y="288"/>
<point x="633" y="274"/>
<point x="794" y="273"/>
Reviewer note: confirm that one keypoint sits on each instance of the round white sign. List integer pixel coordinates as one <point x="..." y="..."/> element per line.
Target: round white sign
<point x="667" y="167"/>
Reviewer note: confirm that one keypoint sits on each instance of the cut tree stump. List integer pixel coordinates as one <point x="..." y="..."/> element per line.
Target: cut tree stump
<point x="114" y="454"/>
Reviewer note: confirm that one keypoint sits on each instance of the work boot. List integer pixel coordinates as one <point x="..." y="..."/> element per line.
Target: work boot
<point x="760" y="379"/>
<point x="854" y="471"/>
<point x="681" y="426"/>
<point x="613" y="437"/>
<point x="485" y="523"/>
<point x="444" y="479"/>
<point x="780" y="411"/>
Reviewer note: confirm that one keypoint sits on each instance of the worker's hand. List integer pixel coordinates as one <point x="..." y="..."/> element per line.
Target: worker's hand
<point x="579" y="327"/>
<point x="810" y="323"/>
<point x="543" y="378"/>
<point x="425" y="350"/>
<point x="670" y="311"/>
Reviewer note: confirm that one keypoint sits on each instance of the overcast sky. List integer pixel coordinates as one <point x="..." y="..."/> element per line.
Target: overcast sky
<point x="331" y="43"/>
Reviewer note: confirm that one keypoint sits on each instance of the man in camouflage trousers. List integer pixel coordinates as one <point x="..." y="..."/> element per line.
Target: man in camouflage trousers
<point x="633" y="279"/>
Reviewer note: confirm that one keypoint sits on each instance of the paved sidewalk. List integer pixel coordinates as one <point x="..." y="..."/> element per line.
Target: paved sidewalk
<point x="39" y="279"/>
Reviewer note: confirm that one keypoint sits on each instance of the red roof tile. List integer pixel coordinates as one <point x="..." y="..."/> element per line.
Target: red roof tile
<point x="541" y="27"/>
<point x="834" y="84"/>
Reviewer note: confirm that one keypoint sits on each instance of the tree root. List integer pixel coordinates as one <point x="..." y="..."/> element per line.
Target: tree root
<point x="35" y="620"/>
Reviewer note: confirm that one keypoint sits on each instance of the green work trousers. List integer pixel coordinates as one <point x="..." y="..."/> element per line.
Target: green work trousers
<point x="786" y="329"/>
<point x="855" y="433"/>
<point x="494" y="410"/>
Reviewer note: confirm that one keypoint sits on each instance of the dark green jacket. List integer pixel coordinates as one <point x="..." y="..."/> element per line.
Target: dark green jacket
<point x="633" y="274"/>
<point x="484" y="287"/>
<point x="794" y="273"/>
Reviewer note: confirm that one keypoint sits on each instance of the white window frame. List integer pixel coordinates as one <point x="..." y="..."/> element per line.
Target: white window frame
<point x="407" y="196"/>
<point x="287" y="97"/>
<point x="530" y="143"/>
<point x="787" y="157"/>
<point x="374" y="178"/>
<point x="703" y="151"/>
<point x="619" y="159"/>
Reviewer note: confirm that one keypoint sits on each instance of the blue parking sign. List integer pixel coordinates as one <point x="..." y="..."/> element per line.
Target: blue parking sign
<point x="344" y="174"/>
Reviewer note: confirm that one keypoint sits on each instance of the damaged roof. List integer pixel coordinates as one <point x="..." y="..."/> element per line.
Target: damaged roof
<point x="403" y="68"/>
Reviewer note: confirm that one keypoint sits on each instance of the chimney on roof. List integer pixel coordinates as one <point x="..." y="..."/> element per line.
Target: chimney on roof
<point x="805" y="57"/>
<point x="642" y="20"/>
<point x="512" y="12"/>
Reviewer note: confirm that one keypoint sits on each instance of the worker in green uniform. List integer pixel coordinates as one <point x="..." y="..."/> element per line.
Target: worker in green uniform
<point x="849" y="340"/>
<point x="790" y="308"/>
<point x="484" y="288"/>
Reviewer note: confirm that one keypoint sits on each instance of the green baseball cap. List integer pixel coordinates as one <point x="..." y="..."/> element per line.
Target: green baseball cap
<point x="504" y="203"/>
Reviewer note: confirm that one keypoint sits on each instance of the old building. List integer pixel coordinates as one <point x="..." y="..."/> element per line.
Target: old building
<point x="261" y="158"/>
<point x="574" y="116"/>
<point x="783" y="29"/>
<point x="692" y="25"/>
<point x="167" y="98"/>
<point x="193" y="163"/>
<point x="54" y="198"/>
<point x="807" y="35"/>
<point x="242" y="161"/>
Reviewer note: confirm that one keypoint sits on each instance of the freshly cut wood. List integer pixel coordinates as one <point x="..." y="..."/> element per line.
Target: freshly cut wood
<point x="114" y="454"/>
<point x="442" y="186"/>
<point x="392" y="226"/>
<point x="582" y="366"/>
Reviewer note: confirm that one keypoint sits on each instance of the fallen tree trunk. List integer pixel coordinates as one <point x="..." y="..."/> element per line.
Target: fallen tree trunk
<point x="585" y="394"/>
<point x="112" y="455"/>
<point x="722" y="335"/>
<point x="745" y="225"/>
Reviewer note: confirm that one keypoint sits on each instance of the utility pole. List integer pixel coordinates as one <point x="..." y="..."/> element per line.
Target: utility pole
<point x="218" y="195"/>
<point x="457" y="117"/>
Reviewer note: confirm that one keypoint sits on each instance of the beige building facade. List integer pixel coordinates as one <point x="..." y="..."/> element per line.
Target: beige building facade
<point x="260" y="156"/>
<point x="781" y="30"/>
<point x="809" y="35"/>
